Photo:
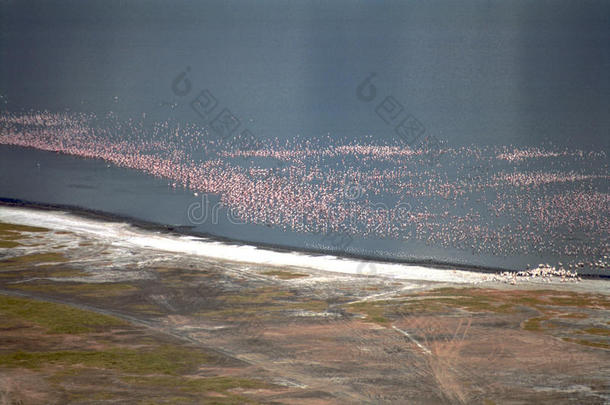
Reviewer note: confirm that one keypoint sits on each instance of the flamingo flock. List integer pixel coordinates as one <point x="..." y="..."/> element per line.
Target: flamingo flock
<point x="488" y="200"/>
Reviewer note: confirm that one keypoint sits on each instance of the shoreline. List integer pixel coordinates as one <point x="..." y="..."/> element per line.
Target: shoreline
<point x="121" y="296"/>
<point x="388" y="267"/>
<point x="490" y="262"/>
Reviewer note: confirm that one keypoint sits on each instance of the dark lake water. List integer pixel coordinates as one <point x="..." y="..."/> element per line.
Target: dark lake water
<point x="475" y="76"/>
<point x="60" y="180"/>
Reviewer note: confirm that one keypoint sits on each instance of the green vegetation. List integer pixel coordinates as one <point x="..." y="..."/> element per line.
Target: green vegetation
<point x="11" y="233"/>
<point x="5" y="227"/>
<point x="146" y="309"/>
<point x="284" y="275"/>
<point x="138" y="361"/>
<point x="573" y="315"/>
<point x="581" y="300"/>
<point x="374" y="311"/>
<point x="597" y="331"/>
<point x="264" y="295"/>
<point x="59" y="272"/>
<point x="534" y="324"/>
<point x="33" y="258"/>
<point x="584" y="342"/>
<point x="56" y="318"/>
<point x="263" y="303"/>
<point x="99" y="290"/>
<point x="42" y="271"/>
<point x="263" y="312"/>
<point x="167" y="359"/>
<point x="436" y="301"/>
<point x="7" y="244"/>
<point x="221" y="385"/>
<point x="550" y="307"/>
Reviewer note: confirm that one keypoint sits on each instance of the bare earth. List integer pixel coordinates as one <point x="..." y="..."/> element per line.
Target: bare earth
<point x="83" y="320"/>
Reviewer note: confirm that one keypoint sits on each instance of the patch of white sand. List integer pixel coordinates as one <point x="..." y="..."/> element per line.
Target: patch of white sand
<point x="128" y="236"/>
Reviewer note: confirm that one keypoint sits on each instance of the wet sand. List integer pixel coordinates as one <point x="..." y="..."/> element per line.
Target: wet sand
<point x="272" y="333"/>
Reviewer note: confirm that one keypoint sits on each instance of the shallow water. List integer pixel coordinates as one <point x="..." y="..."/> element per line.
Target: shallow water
<point x="62" y="180"/>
